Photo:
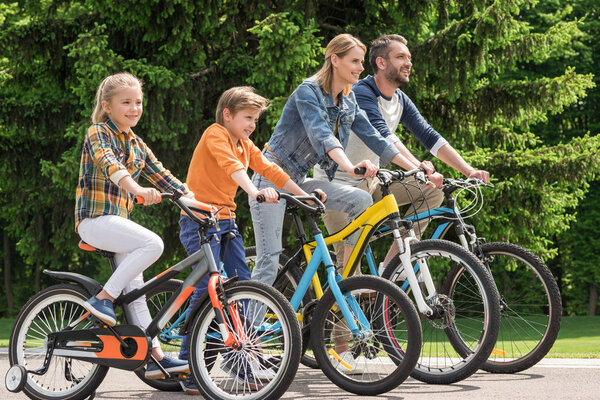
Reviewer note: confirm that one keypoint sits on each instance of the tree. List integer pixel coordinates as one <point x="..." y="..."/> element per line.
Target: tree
<point x="469" y="80"/>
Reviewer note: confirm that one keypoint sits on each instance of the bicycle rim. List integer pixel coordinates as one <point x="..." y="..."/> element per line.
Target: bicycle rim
<point x="382" y="359"/>
<point x="530" y="308"/>
<point x="459" y="339"/>
<point x="273" y="345"/>
<point x="52" y="311"/>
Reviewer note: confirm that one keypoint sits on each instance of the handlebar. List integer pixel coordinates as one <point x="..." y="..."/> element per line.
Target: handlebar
<point x="462" y="182"/>
<point x="189" y="206"/>
<point x="383" y="174"/>
<point x="299" y="201"/>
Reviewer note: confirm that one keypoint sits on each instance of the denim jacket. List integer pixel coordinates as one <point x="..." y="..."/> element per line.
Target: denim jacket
<point x="305" y="132"/>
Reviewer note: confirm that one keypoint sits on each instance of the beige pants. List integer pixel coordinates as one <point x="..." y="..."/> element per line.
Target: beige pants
<point x="420" y="199"/>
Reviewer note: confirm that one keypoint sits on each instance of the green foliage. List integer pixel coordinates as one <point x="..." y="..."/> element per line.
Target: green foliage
<point x="513" y="85"/>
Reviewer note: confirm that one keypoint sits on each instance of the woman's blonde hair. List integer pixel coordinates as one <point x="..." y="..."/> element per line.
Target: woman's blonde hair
<point x="339" y="45"/>
<point x="107" y="90"/>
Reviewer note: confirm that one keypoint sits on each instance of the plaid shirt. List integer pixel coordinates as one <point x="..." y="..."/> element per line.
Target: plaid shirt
<point x="106" y="151"/>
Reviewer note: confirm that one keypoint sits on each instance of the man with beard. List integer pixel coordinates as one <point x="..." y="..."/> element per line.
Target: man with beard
<point x="386" y="107"/>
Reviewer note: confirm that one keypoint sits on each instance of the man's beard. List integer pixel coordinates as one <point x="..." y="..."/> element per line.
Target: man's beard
<point x="394" y="76"/>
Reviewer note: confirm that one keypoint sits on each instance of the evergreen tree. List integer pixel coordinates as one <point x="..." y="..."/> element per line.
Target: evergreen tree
<point x="469" y="81"/>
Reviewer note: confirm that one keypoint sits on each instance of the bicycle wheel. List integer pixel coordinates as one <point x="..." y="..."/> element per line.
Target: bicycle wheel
<point x="387" y="354"/>
<point x="267" y="362"/>
<point x="170" y="340"/>
<point x="530" y="307"/>
<point x="287" y="284"/>
<point x="52" y="310"/>
<point x="461" y="334"/>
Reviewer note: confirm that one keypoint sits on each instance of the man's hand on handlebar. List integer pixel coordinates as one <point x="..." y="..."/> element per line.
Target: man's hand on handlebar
<point x="436" y="179"/>
<point x="481" y="175"/>
<point x="371" y="169"/>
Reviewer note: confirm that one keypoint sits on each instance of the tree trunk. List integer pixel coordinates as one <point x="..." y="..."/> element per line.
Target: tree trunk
<point x="7" y="271"/>
<point x="593" y="300"/>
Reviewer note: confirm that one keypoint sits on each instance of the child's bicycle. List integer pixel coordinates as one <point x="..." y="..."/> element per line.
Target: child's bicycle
<point x="57" y="350"/>
<point x="460" y="327"/>
<point x="530" y="301"/>
<point x="366" y="317"/>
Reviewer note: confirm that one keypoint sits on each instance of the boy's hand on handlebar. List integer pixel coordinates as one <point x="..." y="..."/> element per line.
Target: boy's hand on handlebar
<point x="428" y="167"/>
<point x="150" y="195"/>
<point x="481" y="175"/>
<point x="436" y="179"/>
<point x="371" y="169"/>
<point x="270" y="195"/>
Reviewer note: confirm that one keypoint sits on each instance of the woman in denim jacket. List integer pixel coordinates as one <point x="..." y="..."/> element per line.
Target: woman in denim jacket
<point x="314" y="129"/>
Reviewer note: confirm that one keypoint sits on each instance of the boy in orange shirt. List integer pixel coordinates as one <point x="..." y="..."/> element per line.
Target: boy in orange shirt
<point x="219" y="165"/>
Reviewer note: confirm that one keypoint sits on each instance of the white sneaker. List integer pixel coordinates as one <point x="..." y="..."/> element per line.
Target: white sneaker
<point x="260" y="372"/>
<point x="348" y="359"/>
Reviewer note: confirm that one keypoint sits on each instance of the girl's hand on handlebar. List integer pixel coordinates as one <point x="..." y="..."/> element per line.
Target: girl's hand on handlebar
<point x="270" y="195"/>
<point x="150" y="195"/>
<point x="369" y="173"/>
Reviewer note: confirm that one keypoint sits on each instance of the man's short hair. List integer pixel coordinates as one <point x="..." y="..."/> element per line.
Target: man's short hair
<point x="238" y="98"/>
<point x="380" y="48"/>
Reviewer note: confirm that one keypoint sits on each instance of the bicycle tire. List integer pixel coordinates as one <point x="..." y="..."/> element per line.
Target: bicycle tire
<point x="530" y="307"/>
<point x="51" y="310"/>
<point x="210" y="376"/>
<point x="287" y="285"/>
<point x="156" y="299"/>
<point x="454" y="349"/>
<point x="401" y="342"/>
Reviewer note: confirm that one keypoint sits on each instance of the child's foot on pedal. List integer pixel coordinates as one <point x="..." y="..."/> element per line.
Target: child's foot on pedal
<point x="349" y="361"/>
<point x="189" y="386"/>
<point x="101" y="309"/>
<point x="171" y="365"/>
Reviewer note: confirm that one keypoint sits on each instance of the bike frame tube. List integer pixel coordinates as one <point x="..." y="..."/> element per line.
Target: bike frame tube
<point x="319" y="255"/>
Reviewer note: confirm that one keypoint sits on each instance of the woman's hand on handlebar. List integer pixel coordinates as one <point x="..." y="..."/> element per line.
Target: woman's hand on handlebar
<point x="371" y="169"/>
<point x="270" y="195"/>
<point x="428" y="167"/>
<point x="321" y="195"/>
<point x="150" y="195"/>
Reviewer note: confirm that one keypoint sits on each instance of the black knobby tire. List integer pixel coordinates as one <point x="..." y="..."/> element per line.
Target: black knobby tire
<point x="280" y="350"/>
<point x="530" y="307"/>
<point x="156" y="299"/>
<point x="394" y="347"/>
<point x="287" y="285"/>
<point x="453" y="349"/>
<point x="51" y="310"/>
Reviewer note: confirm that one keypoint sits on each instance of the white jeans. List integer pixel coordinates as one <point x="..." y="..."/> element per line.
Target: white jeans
<point x="135" y="248"/>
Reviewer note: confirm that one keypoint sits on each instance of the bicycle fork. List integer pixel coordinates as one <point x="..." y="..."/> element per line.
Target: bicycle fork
<point x="228" y="337"/>
<point x="423" y="268"/>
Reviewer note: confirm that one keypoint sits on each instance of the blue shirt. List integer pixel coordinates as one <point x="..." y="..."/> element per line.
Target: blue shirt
<point x="367" y="94"/>
<point x="305" y="133"/>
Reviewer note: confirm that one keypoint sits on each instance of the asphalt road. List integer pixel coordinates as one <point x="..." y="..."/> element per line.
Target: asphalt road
<point x="551" y="379"/>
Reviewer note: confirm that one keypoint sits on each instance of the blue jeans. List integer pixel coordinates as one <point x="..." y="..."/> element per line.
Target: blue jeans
<point x="230" y="251"/>
<point x="268" y="220"/>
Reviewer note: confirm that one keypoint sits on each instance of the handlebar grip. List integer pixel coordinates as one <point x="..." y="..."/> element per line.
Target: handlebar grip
<point x="360" y="170"/>
<point x="260" y="198"/>
<point x="140" y="200"/>
<point x="317" y="195"/>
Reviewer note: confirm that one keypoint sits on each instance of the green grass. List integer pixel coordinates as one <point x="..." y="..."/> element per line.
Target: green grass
<point x="579" y="337"/>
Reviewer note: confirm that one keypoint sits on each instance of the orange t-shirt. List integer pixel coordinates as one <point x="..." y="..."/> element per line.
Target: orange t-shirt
<point x="216" y="157"/>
